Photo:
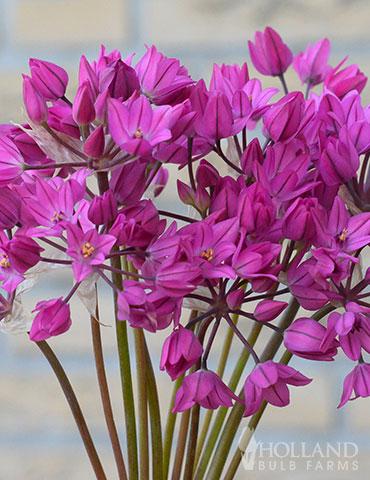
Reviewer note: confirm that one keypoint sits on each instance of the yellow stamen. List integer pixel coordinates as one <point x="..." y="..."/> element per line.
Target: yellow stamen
<point x="342" y="236"/>
<point x="57" y="217"/>
<point x="4" y="262"/>
<point x="87" y="250"/>
<point x="139" y="133"/>
<point x="207" y="254"/>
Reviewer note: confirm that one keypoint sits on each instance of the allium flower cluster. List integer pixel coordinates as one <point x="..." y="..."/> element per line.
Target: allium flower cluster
<point x="288" y="222"/>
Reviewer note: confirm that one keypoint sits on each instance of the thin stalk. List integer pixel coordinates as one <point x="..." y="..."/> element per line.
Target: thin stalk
<point x="74" y="406"/>
<point x="183" y="433"/>
<point x="190" y="163"/>
<point x="124" y="358"/>
<point x="253" y="423"/>
<point x="105" y="397"/>
<point x="220" y="371"/>
<point x="142" y="402"/>
<point x="192" y="443"/>
<point x="222" y="411"/>
<point x="237" y="411"/>
<point x="170" y="427"/>
<point x="283" y="83"/>
<point x="155" y="420"/>
<point x="177" y="216"/>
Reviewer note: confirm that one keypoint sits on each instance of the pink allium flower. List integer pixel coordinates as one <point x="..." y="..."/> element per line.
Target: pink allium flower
<point x="269" y="54"/>
<point x="312" y="65"/>
<point x="203" y="387"/>
<point x="50" y="79"/>
<point x="36" y="107"/>
<point x="83" y="110"/>
<point x="357" y="381"/>
<point x="52" y="319"/>
<point x="268" y="381"/>
<point x="304" y="338"/>
<point x="343" y="81"/>
<point x="267" y="310"/>
<point x="103" y="209"/>
<point x="11" y="161"/>
<point x="162" y="79"/>
<point x="181" y="350"/>
<point x="136" y="127"/>
<point x="87" y="248"/>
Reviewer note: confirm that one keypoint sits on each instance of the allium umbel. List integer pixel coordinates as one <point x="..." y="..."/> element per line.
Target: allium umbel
<point x="283" y="226"/>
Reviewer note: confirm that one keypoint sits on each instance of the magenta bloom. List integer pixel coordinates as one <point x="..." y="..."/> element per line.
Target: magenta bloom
<point x="357" y="381"/>
<point x="87" y="248"/>
<point x="312" y="65"/>
<point x="11" y="161"/>
<point x="136" y="127"/>
<point x="103" y="209"/>
<point x="162" y="79"/>
<point x="305" y="338"/>
<point x="36" y="106"/>
<point x="49" y="79"/>
<point x="352" y="328"/>
<point x="269" y="381"/>
<point x="181" y="350"/>
<point x="53" y="319"/>
<point x="269" y="54"/>
<point x="203" y="387"/>
<point x="343" y="81"/>
<point x="282" y="121"/>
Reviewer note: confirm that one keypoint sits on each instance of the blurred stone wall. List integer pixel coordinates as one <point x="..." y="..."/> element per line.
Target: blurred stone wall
<point x="38" y="440"/>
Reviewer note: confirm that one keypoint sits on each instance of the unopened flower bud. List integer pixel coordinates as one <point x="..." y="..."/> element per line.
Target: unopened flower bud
<point x="36" y="106"/>
<point x="94" y="145"/>
<point x="103" y="209"/>
<point x="50" y="79"/>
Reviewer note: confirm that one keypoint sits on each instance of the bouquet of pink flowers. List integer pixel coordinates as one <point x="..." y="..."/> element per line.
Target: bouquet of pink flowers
<point x="284" y="227"/>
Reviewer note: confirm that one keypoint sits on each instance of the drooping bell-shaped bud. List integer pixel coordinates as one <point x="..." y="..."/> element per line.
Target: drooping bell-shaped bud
<point x="52" y="319"/>
<point x="50" y="79"/>
<point x="36" y="106"/>
<point x="267" y="310"/>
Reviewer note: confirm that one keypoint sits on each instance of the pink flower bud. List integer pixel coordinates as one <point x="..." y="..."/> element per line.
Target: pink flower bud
<point x="94" y="145"/>
<point x="181" y="350"/>
<point x="267" y="310"/>
<point x="53" y="319"/>
<point x="185" y="193"/>
<point x="269" y="54"/>
<point x="235" y="298"/>
<point x="305" y="337"/>
<point x="83" y="109"/>
<point x="50" y="79"/>
<point x="252" y="154"/>
<point x="36" y="106"/>
<point x="312" y="65"/>
<point x="103" y="209"/>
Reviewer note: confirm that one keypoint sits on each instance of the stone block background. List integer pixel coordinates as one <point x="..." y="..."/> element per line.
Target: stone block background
<point x="38" y="440"/>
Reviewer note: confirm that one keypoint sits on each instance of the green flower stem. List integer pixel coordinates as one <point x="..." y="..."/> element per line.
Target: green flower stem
<point x="126" y="381"/>
<point x="183" y="433"/>
<point x="244" y="442"/>
<point x="192" y="443"/>
<point x="155" y="419"/>
<point x="237" y="411"/>
<point x="142" y="402"/>
<point x="220" y="371"/>
<point x="74" y="406"/>
<point x="222" y="411"/>
<point x="170" y="427"/>
<point x="124" y="358"/>
<point x="105" y="397"/>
